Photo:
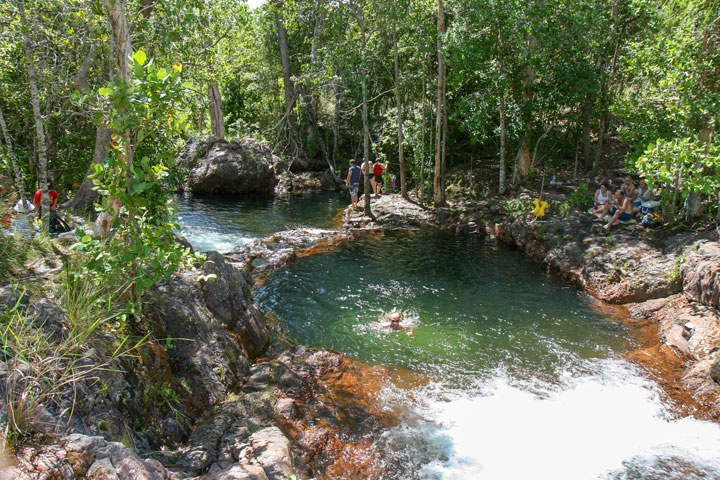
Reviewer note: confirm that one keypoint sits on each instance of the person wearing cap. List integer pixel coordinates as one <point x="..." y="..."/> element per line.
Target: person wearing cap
<point x="52" y="193"/>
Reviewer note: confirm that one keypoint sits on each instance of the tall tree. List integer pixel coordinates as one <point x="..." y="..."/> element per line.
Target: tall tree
<point x="13" y="159"/>
<point x="37" y="115"/>
<point x="398" y="102"/>
<point x="440" y="110"/>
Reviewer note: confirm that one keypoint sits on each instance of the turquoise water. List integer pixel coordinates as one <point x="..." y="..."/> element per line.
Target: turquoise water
<point x="472" y="308"/>
<point x="221" y="223"/>
<point x="525" y="376"/>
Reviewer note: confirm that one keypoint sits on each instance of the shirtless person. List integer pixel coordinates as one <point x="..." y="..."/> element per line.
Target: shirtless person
<point x="367" y="167"/>
<point x="622" y="209"/>
<point x="394" y="323"/>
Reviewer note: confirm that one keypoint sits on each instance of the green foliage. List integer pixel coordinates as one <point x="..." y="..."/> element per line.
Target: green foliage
<point x="44" y="370"/>
<point x="517" y="206"/>
<point x="683" y="164"/>
<point x="578" y="199"/>
<point x="143" y="248"/>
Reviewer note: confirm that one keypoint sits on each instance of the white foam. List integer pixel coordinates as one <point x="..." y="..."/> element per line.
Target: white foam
<point x="204" y="241"/>
<point x="583" y="430"/>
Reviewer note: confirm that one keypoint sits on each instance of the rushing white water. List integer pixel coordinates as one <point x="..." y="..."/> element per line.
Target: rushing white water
<point x="606" y="425"/>
<point x="208" y="239"/>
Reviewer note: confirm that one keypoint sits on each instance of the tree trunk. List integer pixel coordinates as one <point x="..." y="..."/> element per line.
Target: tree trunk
<point x="289" y="87"/>
<point x="35" y="101"/>
<point x="16" y="169"/>
<point x="443" y="162"/>
<point x="421" y="191"/>
<point x="524" y="159"/>
<point x="366" y="125"/>
<point x="217" y="122"/>
<point x="398" y="102"/>
<point x="503" y="148"/>
<point x="336" y="123"/>
<point x="438" y="193"/>
<point x="86" y="197"/>
<point x="601" y="137"/>
<point x="121" y="36"/>
<point x="586" y="116"/>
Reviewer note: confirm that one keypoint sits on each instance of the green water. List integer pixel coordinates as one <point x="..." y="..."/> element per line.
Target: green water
<point x="222" y="223"/>
<point x="473" y="308"/>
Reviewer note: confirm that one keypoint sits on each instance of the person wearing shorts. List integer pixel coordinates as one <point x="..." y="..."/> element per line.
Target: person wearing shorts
<point x="353" y="182"/>
<point x="622" y="210"/>
<point x="378" y="170"/>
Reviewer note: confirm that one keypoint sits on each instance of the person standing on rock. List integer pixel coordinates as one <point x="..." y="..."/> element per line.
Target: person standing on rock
<point x="367" y="166"/>
<point x="378" y="170"/>
<point x="353" y="182"/>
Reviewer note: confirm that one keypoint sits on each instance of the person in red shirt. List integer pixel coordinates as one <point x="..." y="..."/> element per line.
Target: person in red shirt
<point x="378" y="170"/>
<point x="52" y="193"/>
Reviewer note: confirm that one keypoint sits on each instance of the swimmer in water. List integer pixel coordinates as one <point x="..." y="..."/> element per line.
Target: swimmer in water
<point x="394" y="322"/>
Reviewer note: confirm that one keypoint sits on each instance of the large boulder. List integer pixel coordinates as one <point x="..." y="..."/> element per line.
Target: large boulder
<point x="220" y="166"/>
<point x="213" y="327"/>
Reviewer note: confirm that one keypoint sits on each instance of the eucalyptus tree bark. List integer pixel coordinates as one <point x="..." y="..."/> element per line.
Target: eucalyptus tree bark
<point x="217" y="122"/>
<point x="438" y="191"/>
<point x="336" y="125"/>
<point x="123" y="49"/>
<point x="366" y="125"/>
<point x="289" y="87"/>
<point x="443" y="162"/>
<point x="421" y="190"/>
<point x="398" y="102"/>
<point x="503" y="147"/>
<point x="16" y="169"/>
<point x="587" y="146"/>
<point x="524" y="159"/>
<point x="37" y="116"/>
<point x="85" y="197"/>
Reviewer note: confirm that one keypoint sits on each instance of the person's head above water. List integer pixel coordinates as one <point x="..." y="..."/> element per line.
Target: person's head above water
<point x="394" y="317"/>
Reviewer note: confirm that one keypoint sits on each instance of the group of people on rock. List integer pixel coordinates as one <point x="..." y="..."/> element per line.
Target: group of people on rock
<point x="624" y="204"/>
<point x="355" y="173"/>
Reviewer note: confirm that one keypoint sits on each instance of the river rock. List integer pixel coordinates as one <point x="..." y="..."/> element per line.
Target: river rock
<point x="280" y="248"/>
<point x="391" y="211"/>
<point x="220" y="166"/>
<point x="195" y="315"/>
<point x="701" y="273"/>
<point x="303" y="182"/>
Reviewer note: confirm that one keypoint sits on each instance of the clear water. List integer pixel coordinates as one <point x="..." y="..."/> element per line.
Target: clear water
<point x="526" y="379"/>
<point x="221" y="223"/>
<point x="525" y="376"/>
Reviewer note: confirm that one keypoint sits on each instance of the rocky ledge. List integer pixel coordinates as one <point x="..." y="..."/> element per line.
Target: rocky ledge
<point x="195" y="400"/>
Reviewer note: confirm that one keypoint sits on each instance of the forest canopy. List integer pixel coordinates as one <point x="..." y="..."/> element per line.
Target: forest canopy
<point x="508" y="87"/>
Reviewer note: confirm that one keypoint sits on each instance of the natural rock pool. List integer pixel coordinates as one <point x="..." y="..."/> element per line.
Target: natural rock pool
<point x="521" y="377"/>
<point x="219" y="223"/>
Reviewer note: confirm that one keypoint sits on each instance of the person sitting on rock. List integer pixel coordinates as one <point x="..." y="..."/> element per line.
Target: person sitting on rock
<point x="603" y="200"/>
<point x="628" y="188"/>
<point x="394" y="323"/>
<point x="622" y="210"/>
<point x="645" y="194"/>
